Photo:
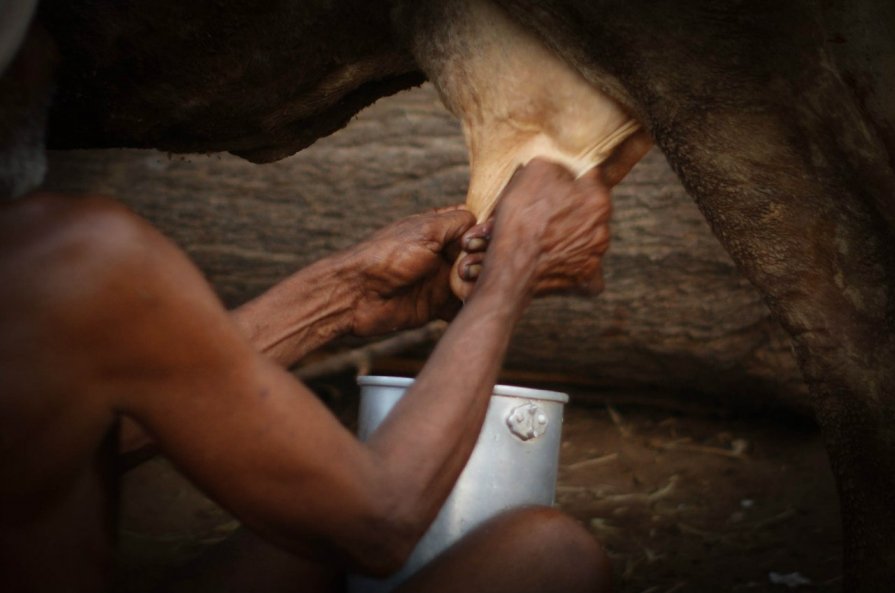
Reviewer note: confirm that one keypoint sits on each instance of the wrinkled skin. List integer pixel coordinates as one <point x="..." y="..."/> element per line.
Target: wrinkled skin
<point x="777" y="116"/>
<point x="587" y="196"/>
<point x="405" y="277"/>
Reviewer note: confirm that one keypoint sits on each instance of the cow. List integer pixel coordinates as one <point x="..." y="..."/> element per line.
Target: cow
<point x="779" y="121"/>
<point x="778" y="117"/>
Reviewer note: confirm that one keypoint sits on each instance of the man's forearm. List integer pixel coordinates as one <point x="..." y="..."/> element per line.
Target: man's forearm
<point x="301" y="313"/>
<point x="426" y="441"/>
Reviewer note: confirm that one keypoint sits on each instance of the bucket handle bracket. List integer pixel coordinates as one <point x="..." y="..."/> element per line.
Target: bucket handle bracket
<point x="527" y="421"/>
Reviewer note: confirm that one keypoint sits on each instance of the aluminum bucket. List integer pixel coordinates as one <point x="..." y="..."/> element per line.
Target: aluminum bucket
<point x="514" y="464"/>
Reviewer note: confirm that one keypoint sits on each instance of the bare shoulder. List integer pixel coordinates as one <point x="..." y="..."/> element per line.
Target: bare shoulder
<point x="51" y="229"/>
<point x="72" y="247"/>
<point x="89" y="286"/>
<point x="66" y="261"/>
<point x="57" y="254"/>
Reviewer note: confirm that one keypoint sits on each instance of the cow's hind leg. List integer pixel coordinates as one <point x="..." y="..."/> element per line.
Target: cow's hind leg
<point x="788" y="198"/>
<point x="795" y="174"/>
<point x="782" y="158"/>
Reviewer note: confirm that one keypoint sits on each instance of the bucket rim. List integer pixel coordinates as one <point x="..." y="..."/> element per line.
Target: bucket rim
<point x="499" y="390"/>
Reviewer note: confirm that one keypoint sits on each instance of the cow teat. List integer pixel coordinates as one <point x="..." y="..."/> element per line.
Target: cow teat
<point x="516" y="98"/>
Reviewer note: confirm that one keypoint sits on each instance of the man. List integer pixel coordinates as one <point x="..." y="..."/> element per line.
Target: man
<point x="104" y="318"/>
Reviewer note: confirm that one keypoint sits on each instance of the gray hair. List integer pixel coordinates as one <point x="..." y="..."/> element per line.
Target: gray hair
<point x="23" y="159"/>
<point x="26" y="60"/>
<point x="15" y="16"/>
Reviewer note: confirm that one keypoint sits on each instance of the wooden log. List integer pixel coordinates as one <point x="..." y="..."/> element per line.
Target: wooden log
<point x="676" y="316"/>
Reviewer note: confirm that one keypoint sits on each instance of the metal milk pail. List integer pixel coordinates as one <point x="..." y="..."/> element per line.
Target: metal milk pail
<point x="514" y="464"/>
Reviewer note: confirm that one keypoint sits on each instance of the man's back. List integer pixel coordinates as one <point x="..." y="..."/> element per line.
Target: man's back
<point x="57" y="442"/>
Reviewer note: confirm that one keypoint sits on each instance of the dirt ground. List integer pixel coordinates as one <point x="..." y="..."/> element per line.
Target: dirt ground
<point x="688" y="503"/>
<point x="698" y="502"/>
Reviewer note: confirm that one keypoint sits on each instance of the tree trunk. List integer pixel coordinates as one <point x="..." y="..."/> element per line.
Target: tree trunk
<point x="676" y="316"/>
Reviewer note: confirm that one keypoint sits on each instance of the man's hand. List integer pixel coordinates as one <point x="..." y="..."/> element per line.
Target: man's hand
<point x="402" y="272"/>
<point x="605" y="177"/>
<point x="545" y="216"/>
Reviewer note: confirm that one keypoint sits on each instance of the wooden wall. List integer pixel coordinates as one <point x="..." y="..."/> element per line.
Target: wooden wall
<point x="676" y="318"/>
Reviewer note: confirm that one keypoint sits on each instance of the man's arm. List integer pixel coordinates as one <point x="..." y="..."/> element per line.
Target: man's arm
<point x="254" y="438"/>
<point x="302" y="313"/>
<point x="263" y="446"/>
<point x="394" y="280"/>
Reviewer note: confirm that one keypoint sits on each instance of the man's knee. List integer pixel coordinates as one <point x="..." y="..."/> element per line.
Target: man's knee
<point x="568" y="539"/>
<point x="526" y="550"/>
<point x="576" y="559"/>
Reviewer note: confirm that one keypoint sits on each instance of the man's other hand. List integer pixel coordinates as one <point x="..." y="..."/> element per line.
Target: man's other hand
<point x="547" y="217"/>
<point x="402" y="272"/>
